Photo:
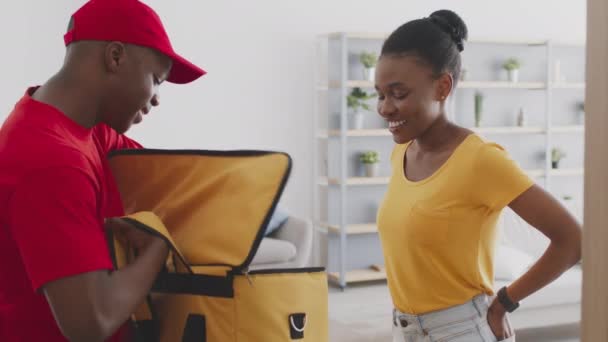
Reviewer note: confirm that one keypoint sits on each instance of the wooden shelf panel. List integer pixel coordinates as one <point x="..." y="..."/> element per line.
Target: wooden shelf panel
<point x="535" y="172"/>
<point x="352" y="84"/>
<point x="385" y="180"/>
<point x="383" y="36"/>
<point x="353" y="229"/>
<point x="509" y="130"/>
<point x="568" y="85"/>
<point x="500" y="85"/>
<point x="568" y="128"/>
<point x="360" y="275"/>
<point x="362" y="133"/>
<point x="568" y="172"/>
<point x="475" y="85"/>
<point x="361" y="181"/>
<point x="480" y="130"/>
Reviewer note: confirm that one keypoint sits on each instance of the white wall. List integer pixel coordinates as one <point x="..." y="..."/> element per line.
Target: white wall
<point x="260" y="58"/>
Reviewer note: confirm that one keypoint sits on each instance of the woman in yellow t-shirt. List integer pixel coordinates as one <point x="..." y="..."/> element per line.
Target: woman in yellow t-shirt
<point x="448" y="187"/>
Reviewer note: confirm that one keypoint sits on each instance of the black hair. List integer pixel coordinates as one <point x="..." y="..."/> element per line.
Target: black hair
<point x="437" y="40"/>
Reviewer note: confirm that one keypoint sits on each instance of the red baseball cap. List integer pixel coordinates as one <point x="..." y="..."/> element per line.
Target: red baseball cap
<point x="131" y="22"/>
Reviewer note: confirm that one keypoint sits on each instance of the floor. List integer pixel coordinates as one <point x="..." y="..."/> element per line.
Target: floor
<point x="362" y="313"/>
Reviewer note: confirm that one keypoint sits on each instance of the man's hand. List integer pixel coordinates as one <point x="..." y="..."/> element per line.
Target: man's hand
<point x="498" y="321"/>
<point x="137" y="238"/>
<point x="91" y="306"/>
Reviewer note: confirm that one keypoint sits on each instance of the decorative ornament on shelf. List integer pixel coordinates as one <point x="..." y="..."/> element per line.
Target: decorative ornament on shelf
<point x="463" y="74"/>
<point x="580" y="112"/>
<point x="369" y="60"/>
<point x="478" y="108"/>
<point x="521" y="117"/>
<point x="556" y="156"/>
<point x="558" y="77"/>
<point x="370" y="160"/>
<point x="512" y="66"/>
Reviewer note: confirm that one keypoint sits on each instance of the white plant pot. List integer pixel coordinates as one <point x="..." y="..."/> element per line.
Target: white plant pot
<point x="369" y="74"/>
<point x="513" y="75"/>
<point x="371" y="170"/>
<point x="357" y="120"/>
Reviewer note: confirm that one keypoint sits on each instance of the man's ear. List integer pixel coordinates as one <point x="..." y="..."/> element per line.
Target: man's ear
<point x="114" y="56"/>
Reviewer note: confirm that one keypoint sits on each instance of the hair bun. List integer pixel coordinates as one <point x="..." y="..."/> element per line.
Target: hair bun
<point x="452" y="24"/>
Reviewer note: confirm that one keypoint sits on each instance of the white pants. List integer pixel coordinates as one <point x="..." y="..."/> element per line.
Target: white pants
<point x="462" y="323"/>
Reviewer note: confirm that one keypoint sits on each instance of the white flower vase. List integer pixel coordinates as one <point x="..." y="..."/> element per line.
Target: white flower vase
<point x="513" y="75"/>
<point x="371" y="170"/>
<point x="369" y="74"/>
<point x="357" y="120"/>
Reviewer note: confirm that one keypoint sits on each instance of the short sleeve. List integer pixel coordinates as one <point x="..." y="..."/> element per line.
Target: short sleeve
<point x="110" y="140"/>
<point x="55" y="223"/>
<point x="498" y="178"/>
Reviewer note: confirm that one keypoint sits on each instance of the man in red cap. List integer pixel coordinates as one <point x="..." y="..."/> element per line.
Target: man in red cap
<point x="56" y="192"/>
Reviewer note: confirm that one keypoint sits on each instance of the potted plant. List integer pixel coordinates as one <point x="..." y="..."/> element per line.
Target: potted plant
<point x="512" y="65"/>
<point x="369" y="60"/>
<point x="355" y="101"/>
<point x="370" y="160"/>
<point x="556" y="155"/>
<point x="478" y="108"/>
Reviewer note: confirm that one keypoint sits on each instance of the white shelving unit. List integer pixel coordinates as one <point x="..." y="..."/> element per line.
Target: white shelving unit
<point x="331" y="144"/>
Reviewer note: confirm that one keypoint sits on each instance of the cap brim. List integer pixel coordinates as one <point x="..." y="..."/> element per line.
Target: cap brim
<point x="183" y="71"/>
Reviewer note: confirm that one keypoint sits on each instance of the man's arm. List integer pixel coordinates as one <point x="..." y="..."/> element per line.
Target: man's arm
<point x="92" y="306"/>
<point x="57" y="225"/>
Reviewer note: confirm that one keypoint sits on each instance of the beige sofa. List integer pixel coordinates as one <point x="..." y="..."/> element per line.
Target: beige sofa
<point x="290" y="246"/>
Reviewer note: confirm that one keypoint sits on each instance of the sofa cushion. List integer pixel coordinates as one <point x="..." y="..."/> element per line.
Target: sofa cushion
<point x="278" y="218"/>
<point x="567" y="289"/>
<point x="510" y="263"/>
<point x="274" y="251"/>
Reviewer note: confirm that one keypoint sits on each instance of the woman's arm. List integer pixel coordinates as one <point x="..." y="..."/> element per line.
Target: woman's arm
<point x="546" y="214"/>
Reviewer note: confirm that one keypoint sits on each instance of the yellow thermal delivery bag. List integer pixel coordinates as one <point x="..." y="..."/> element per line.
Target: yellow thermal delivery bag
<point x="212" y="208"/>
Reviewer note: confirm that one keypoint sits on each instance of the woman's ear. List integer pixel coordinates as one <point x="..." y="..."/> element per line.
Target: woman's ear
<point x="444" y="86"/>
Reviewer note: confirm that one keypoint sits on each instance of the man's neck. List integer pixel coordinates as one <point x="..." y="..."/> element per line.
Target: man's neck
<point x="72" y="96"/>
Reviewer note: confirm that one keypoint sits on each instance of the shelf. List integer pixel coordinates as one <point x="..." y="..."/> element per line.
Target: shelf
<point x="383" y="36"/>
<point x="535" y="173"/>
<point x="500" y="85"/>
<point x="360" y="275"/>
<point x="352" y="84"/>
<point x="567" y="172"/>
<point x="461" y="84"/>
<point x="568" y="128"/>
<point x="359" y="35"/>
<point x="353" y="229"/>
<point x="508" y="130"/>
<point x="568" y="85"/>
<point x="359" y="181"/>
<point x="480" y="130"/>
<point x="362" y="133"/>
<point x="508" y="42"/>
<point x="385" y="180"/>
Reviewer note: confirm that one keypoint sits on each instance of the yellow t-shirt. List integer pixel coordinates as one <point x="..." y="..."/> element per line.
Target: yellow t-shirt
<point x="438" y="234"/>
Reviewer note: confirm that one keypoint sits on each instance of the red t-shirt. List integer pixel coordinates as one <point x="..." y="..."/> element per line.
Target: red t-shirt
<point x="55" y="191"/>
